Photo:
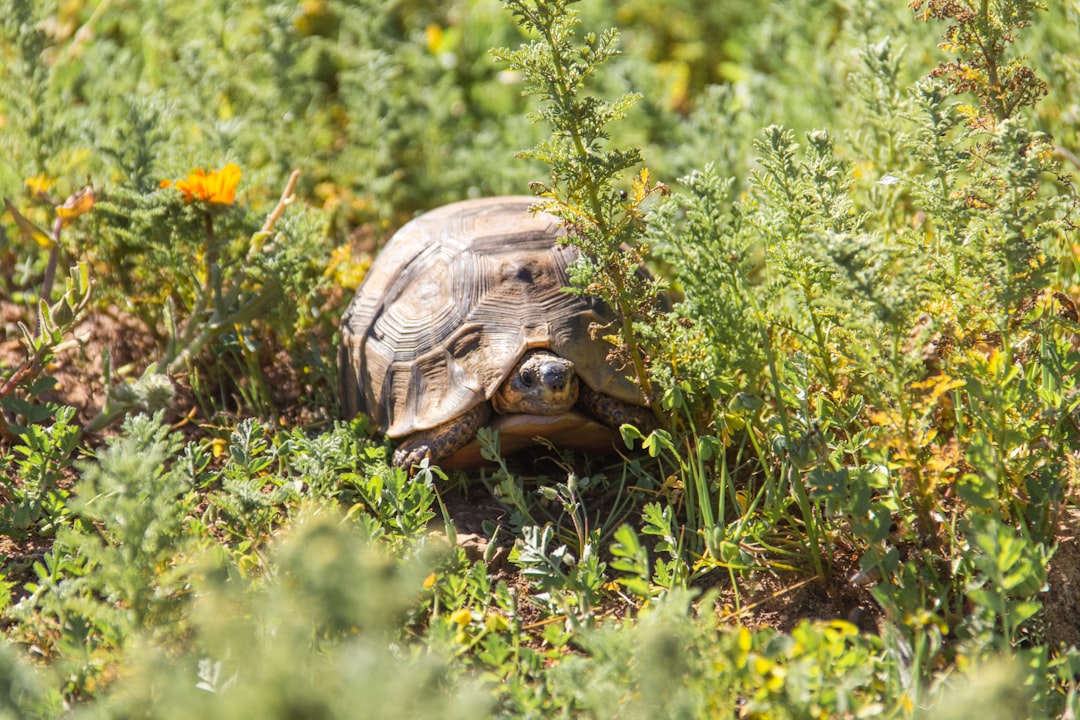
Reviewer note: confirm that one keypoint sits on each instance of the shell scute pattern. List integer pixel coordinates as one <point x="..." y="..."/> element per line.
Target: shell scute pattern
<point x="451" y="304"/>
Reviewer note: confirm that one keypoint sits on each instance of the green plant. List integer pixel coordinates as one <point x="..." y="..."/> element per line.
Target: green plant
<point x="605" y="222"/>
<point x="981" y="33"/>
<point x="42" y="436"/>
<point x="250" y="505"/>
<point x="20" y="390"/>
<point x="23" y="692"/>
<point x="118" y="570"/>
<point x="36" y="499"/>
<point x="246" y="273"/>
<point x="867" y="377"/>
<point x="332" y="605"/>
<point x="893" y="398"/>
<point x="1008" y="573"/>
<point x="631" y="558"/>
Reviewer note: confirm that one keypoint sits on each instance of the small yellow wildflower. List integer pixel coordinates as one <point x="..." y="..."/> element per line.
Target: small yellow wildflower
<point x="215" y="186"/>
<point x="347" y="268"/>
<point x="39" y="185"/>
<point x="433" y="34"/>
<point x="429" y="581"/>
<point x="462" y="617"/>
<point x="217" y="446"/>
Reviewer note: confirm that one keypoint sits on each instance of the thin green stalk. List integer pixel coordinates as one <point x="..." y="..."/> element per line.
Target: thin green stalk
<point x="565" y="93"/>
<point x="924" y="500"/>
<point x="50" y="270"/>
<point x="793" y="476"/>
<point x="819" y="337"/>
<point x="991" y="65"/>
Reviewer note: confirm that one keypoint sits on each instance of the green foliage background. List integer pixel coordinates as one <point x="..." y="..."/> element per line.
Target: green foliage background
<point x="867" y="381"/>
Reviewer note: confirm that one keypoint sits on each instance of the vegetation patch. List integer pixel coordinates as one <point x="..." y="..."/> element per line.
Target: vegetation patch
<point x="858" y="339"/>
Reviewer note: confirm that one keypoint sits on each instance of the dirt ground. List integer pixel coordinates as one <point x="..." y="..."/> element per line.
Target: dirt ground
<point x="1061" y="600"/>
<point x="79" y="370"/>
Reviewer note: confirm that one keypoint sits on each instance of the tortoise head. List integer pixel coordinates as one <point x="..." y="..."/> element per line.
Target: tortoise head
<point x="542" y="383"/>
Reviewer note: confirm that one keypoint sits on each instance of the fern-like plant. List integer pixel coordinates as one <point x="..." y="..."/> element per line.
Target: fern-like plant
<point x="604" y="218"/>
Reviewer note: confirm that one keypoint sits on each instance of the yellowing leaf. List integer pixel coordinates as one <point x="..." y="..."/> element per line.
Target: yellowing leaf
<point x="35" y="231"/>
<point x="933" y="388"/>
<point x="78" y="204"/>
<point x="495" y="622"/>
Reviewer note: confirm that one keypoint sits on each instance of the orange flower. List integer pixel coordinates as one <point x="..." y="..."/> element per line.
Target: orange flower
<point x="216" y="186"/>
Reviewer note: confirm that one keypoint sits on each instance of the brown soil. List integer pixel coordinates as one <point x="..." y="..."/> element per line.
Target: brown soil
<point x="782" y="600"/>
<point x="79" y="370"/>
<point x="1061" y="601"/>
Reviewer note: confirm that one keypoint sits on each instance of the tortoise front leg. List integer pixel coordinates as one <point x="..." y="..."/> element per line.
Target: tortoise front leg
<point x="613" y="412"/>
<point x="441" y="441"/>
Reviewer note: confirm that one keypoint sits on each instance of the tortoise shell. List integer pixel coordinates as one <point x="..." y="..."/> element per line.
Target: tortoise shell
<point x="450" y="305"/>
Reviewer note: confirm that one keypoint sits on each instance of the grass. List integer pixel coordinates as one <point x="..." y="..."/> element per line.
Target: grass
<point x="860" y="496"/>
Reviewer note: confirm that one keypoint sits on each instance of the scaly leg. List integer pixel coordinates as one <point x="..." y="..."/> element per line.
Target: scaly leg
<point x="441" y="441"/>
<point x="614" y="413"/>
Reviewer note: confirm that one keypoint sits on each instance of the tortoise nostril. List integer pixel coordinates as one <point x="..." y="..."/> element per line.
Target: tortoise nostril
<point x="554" y="376"/>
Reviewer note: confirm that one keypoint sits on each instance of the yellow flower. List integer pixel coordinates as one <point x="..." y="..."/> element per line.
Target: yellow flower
<point x="346" y="268"/>
<point x="433" y="34"/>
<point x="39" y="185"/>
<point x="216" y="186"/>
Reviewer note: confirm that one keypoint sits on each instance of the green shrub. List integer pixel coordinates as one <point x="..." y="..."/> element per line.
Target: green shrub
<point x="864" y="385"/>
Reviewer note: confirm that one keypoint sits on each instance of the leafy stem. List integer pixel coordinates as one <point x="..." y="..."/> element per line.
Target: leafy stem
<point x="979" y="35"/>
<point x="564" y="94"/>
<point x="604" y="224"/>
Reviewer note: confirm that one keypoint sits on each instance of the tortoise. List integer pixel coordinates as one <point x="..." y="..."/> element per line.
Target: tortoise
<point x="462" y="321"/>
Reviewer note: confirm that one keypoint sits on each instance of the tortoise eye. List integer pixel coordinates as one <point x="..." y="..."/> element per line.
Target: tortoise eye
<point x="528" y="377"/>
